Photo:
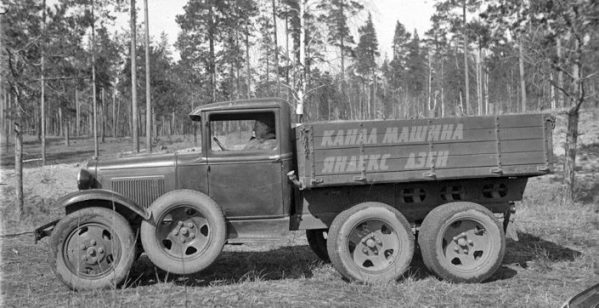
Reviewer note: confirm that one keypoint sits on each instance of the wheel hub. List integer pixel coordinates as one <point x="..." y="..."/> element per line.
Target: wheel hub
<point x="183" y="232"/>
<point x="375" y="244"/>
<point x="467" y="243"/>
<point x="93" y="254"/>
<point x="370" y="243"/>
<point x="91" y="250"/>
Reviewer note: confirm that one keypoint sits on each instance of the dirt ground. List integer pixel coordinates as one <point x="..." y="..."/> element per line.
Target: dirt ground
<point x="556" y="257"/>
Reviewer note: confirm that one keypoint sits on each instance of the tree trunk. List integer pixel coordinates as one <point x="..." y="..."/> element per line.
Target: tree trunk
<point x="154" y="125"/>
<point x="373" y="114"/>
<point x="58" y="123"/>
<point x="342" y="55"/>
<point x="3" y="104"/>
<point x="94" y="98"/>
<point x="570" y="157"/>
<point x="466" y="77"/>
<point x="267" y="68"/>
<point x="148" y="89"/>
<point x="212" y="55"/>
<point x="431" y="112"/>
<point x="3" y="109"/>
<point x="479" y="82"/>
<point x="195" y="134"/>
<point x="249" y="70"/>
<point x="134" y="112"/>
<point x="172" y="129"/>
<point x="19" y="160"/>
<point x="302" y="60"/>
<point x="43" y="86"/>
<point x="486" y="90"/>
<point x="237" y="69"/>
<point x="65" y="123"/>
<point x="114" y="113"/>
<point x="43" y="114"/>
<point x="522" y="81"/>
<point x="442" y="88"/>
<point x="287" y="59"/>
<point x="560" y="76"/>
<point x="274" y="20"/>
<point x="103" y="116"/>
<point x="77" y="114"/>
<point x="117" y="119"/>
<point x="8" y="123"/>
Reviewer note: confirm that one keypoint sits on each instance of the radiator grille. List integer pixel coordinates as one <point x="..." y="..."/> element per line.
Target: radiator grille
<point x="142" y="191"/>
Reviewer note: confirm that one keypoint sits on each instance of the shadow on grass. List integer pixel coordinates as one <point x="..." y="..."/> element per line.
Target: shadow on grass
<point x="530" y="249"/>
<point x="587" y="192"/>
<point x="533" y="248"/>
<point x="295" y="262"/>
<point x="231" y="267"/>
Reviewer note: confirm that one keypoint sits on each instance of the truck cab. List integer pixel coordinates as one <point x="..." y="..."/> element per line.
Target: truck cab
<point x="245" y="176"/>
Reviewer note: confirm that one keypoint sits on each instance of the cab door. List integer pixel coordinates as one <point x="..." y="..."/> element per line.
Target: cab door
<point x="245" y="183"/>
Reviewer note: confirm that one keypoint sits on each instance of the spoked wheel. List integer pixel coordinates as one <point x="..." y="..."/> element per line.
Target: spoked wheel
<point x="317" y="239"/>
<point x="371" y="242"/>
<point x="187" y="232"/>
<point x="92" y="248"/>
<point x="462" y="242"/>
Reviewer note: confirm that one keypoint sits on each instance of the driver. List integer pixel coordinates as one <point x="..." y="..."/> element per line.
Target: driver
<point x="264" y="135"/>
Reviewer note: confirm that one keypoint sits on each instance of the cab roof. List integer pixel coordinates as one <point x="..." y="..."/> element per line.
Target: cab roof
<point x="255" y="103"/>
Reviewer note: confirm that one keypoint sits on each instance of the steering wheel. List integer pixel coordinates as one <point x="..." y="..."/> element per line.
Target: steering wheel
<point x="220" y="145"/>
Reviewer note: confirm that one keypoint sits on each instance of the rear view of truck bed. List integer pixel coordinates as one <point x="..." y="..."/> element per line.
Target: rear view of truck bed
<point x="388" y="151"/>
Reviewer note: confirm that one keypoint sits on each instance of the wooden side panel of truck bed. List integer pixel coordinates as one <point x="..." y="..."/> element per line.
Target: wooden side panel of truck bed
<point x="390" y="151"/>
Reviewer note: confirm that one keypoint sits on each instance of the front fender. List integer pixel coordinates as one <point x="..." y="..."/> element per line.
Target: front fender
<point x="93" y="197"/>
<point x="84" y="196"/>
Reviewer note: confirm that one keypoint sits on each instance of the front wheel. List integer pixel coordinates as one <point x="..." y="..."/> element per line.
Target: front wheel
<point x="462" y="242"/>
<point x="370" y="242"/>
<point x="92" y="248"/>
<point x="186" y="234"/>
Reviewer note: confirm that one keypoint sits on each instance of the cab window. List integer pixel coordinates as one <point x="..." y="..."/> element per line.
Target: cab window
<point x="245" y="132"/>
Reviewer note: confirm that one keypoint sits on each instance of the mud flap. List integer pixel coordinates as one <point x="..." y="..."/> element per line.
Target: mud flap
<point x="510" y="229"/>
<point x="43" y="231"/>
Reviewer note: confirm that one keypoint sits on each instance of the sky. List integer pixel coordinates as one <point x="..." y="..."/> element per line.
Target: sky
<point x="414" y="14"/>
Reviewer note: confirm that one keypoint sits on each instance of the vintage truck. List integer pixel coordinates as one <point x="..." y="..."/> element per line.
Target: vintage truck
<point x="365" y="192"/>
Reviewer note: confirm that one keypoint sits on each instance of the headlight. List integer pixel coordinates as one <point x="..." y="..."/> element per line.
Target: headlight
<point x="84" y="179"/>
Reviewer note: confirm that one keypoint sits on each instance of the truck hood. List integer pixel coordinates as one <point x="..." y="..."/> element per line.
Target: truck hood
<point x="136" y="162"/>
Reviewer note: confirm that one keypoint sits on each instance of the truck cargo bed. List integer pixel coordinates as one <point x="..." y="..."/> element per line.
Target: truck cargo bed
<point x="389" y="151"/>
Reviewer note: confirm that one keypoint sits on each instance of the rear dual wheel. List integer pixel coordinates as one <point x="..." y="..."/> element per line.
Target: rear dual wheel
<point x="370" y="242"/>
<point x="462" y="242"/>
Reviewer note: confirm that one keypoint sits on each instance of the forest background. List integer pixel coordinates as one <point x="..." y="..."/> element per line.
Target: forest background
<point x="67" y="72"/>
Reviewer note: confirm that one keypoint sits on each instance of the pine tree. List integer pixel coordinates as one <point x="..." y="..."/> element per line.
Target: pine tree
<point x="200" y="33"/>
<point x="366" y="52"/>
<point x="454" y="14"/>
<point x="20" y="49"/>
<point x="337" y="13"/>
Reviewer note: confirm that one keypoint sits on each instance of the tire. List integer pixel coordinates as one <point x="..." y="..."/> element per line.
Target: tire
<point x="186" y="233"/>
<point x="370" y="242"/>
<point x="462" y="242"/>
<point x="317" y="239"/>
<point x="92" y="248"/>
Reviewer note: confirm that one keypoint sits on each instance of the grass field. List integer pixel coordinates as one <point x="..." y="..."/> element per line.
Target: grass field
<point x="556" y="257"/>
